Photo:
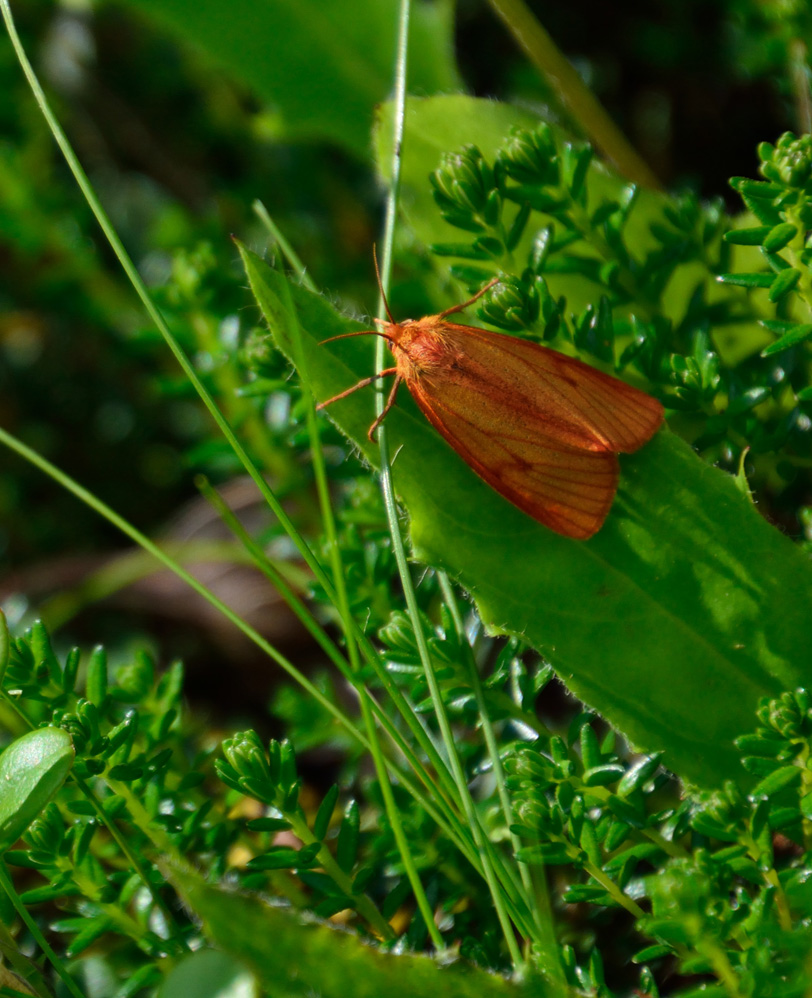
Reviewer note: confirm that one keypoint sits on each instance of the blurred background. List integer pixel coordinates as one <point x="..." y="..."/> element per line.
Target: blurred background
<point x="185" y="111"/>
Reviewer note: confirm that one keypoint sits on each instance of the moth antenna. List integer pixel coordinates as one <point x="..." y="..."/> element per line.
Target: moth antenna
<point x="465" y="304"/>
<point x="360" y="332"/>
<point x="380" y="286"/>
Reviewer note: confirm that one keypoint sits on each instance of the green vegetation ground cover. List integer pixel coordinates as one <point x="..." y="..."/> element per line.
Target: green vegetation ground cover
<point x="422" y="809"/>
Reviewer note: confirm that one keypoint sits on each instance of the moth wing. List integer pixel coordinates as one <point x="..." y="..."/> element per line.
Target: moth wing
<point x="568" y="489"/>
<point x="614" y="415"/>
<point x="541" y="428"/>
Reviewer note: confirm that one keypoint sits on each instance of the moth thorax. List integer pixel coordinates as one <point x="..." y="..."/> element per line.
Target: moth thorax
<point x="423" y="345"/>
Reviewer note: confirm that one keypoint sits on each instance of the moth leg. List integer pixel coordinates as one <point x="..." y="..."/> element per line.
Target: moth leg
<point x="465" y="304"/>
<point x="389" y="403"/>
<point x="361" y="384"/>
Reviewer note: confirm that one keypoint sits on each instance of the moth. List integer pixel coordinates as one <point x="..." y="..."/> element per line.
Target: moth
<point x="541" y="428"/>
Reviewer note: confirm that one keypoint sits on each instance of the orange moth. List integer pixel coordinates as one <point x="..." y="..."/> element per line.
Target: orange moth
<point x="541" y="428"/>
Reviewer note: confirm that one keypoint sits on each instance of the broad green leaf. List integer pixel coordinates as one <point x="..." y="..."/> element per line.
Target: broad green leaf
<point x="322" y="65"/>
<point x="672" y="621"/>
<point x="32" y="769"/>
<point x="208" y="974"/>
<point x="296" y="956"/>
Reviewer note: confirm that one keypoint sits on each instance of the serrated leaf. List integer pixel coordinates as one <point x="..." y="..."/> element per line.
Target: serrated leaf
<point x="307" y="957"/>
<point x="761" y="746"/>
<point x="677" y="666"/>
<point x="206" y="973"/>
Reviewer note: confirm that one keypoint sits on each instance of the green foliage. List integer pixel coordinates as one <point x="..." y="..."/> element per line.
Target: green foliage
<point x="604" y="610"/>
<point x="728" y="410"/>
<point x="307" y="957"/>
<point x="713" y="886"/>
<point x="32" y="769"/>
<point x="342" y="68"/>
<point x="138" y="844"/>
<point x="705" y="879"/>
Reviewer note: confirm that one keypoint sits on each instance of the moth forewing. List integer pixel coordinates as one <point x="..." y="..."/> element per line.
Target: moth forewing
<point x="541" y="428"/>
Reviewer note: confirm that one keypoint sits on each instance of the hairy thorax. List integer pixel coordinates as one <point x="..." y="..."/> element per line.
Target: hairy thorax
<point x="420" y="347"/>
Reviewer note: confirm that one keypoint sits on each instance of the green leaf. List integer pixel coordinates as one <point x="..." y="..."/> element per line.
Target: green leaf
<point x="589" y="894"/>
<point x="754" y="236"/>
<point x="603" y="776"/>
<point x="42" y="650"/>
<point x="96" y="681"/>
<point x="348" y="837"/>
<point x="782" y="778"/>
<point x="746" y="280"/>
<point x="306" y="958"/>
<point x="672" y="622"/>
<point x="652" y="953"/>
<point x="797" y="334"/>
<point x="755" y="188"/>
<point x="779" y="236"/>
<point x="283" y="858"/>
<point x="321" y="822"/>
<point x="32" y="769"/>
<point x="590" y="750"/>
<point x="322" y="65"/>
<point x="783" y="283"/>
<point x="205" y="974"/>
<point x="638" y="775"/>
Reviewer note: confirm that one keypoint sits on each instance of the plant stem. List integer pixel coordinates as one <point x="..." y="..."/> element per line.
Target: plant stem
<point x="799" y="77"/>
<point x="343" y="607"/>
<point x="33" y="928"/>
<point x="445" y="792"/>
<point x="541" y="912"/>
<point x="5" y="646"/>
<point x="394" y="525"/>
<point x="573" y="92"/>
<point x="365" y="905"/>
<point x="135" y="861"/>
